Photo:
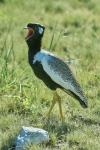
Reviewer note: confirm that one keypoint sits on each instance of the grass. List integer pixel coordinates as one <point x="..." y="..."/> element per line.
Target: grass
<point x="24" y="100"/>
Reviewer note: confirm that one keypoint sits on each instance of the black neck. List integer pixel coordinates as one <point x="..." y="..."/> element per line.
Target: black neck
<point x="34" y="45"/>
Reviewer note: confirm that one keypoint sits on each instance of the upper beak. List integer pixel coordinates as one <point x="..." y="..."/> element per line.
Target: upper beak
<point x="25" y="27"/>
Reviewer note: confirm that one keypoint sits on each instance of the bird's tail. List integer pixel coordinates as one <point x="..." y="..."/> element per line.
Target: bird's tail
<point x="82" y="99"/>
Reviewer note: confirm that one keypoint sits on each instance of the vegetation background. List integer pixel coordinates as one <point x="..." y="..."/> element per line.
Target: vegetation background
<point x="24" y="100"/>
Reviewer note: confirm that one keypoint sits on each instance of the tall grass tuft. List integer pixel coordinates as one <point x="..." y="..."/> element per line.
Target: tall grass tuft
<point x="54" y="41"/>
<point x="7" y="57"/>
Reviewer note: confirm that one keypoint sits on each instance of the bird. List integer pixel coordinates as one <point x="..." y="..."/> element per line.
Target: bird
<point x="51" y="69"/>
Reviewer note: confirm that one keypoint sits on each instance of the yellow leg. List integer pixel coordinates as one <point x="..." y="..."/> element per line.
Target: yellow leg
<point x="56" y="98"/>
<point x="60" y="107"/>
<point x="52" y="105"/>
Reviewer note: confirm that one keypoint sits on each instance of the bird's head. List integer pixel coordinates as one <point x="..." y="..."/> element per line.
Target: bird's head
<point x="35" y="30"/>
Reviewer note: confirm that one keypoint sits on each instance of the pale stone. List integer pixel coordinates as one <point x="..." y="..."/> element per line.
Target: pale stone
<point x="30" y="135"/>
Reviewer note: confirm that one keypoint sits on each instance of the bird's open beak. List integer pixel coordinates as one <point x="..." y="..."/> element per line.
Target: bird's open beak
<point x="30" y="32"/>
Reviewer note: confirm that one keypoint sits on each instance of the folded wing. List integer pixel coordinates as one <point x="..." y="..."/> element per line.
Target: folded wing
<point x="60" y="73"/>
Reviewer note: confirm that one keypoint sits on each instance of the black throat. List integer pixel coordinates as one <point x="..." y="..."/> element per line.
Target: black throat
<point x="34" y="45"/>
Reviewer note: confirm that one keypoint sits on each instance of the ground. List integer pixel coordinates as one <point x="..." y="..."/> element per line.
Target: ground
<point x="25" y="100"/>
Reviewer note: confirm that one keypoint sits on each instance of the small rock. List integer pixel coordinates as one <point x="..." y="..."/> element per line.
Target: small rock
<point x="30" y="135"/>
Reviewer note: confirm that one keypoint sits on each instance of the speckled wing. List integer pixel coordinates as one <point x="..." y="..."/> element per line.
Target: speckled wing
<point x="62" y="75"/>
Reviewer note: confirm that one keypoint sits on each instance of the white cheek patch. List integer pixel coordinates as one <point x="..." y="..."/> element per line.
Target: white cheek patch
<point x="40" y="30"/>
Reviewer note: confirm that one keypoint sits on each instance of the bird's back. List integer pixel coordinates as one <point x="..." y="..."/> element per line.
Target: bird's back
<point x="60" y="72"/>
